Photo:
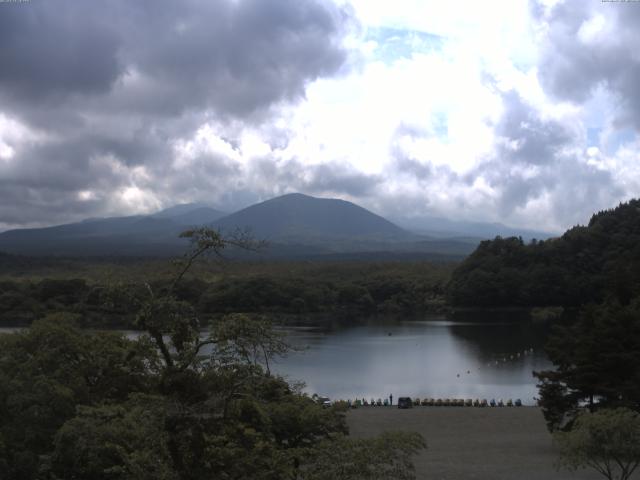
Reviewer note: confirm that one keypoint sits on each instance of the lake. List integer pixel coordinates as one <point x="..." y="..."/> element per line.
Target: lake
<point x="431" y="357"/>
<point x="428" y="357"/>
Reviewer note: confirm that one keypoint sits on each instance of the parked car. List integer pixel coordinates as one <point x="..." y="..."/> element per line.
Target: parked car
<point x="405" y="402"/>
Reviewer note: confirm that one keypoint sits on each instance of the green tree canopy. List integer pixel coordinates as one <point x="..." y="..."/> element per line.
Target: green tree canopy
<point x="607" y="441"/>
<point x="597" y="362"/>
<point x="177" y="401"/>
<point x="586" y="264"/>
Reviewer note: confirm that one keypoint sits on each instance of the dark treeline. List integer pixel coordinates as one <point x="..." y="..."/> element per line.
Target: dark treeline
<point x="587" y="264"/>
<point x="596" y="271"/>
<point x="287" y="288"/>
<point x="597" y="360"/>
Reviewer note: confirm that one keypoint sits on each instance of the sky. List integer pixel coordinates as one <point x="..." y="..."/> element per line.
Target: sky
<point x="513" y="111"/>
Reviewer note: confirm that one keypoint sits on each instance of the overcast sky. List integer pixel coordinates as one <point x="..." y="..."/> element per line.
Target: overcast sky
<point x="523" y="112"/>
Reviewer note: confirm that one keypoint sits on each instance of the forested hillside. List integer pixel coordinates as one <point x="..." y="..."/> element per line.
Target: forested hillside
<point x="587" y="264"/>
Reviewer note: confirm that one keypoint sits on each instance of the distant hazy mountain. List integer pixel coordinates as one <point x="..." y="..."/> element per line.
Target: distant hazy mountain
<point x="444" y="228"/>
<point x="295" y="225"/>
<point x="145" y="235"/>
<point x="136" y="235"/>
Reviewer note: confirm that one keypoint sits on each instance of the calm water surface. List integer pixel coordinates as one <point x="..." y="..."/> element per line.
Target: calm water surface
<point x="432" y="357"/>
<point x="429" y="358"/>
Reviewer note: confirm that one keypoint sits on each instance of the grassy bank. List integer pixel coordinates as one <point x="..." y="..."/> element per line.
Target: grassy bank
<point x="472" y="443"/>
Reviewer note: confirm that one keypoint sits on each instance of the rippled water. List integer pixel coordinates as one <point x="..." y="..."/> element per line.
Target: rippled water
<point x="428" y="358"/>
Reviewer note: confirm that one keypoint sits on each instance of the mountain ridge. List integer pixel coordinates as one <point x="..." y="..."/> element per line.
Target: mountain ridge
<point x="296" y="225"/>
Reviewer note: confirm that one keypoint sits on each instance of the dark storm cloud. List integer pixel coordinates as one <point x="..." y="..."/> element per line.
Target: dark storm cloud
<point x="537" y="158"/>
<point x="410" y="166"/>
<point x="572" y="69"/>
<point x="335" y="178"/>
<point x="22" y="204"/>
<point x="165" y="56"/>
<point x="331" y="178"/>
<point x="109" y="86"/>
<point x="527" y="138"/>
<point x="241" y="56"/>
<point x="42" y="184"/>
<point x="56" y="48"/>
<point x="405" y="164"/>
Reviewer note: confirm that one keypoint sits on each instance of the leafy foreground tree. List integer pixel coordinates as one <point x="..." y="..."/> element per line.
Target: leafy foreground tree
<point x="173" y="403"/>
<point x="597" y="362"/>
<point x="387" y="456"/>
<point x="607" y="441"/>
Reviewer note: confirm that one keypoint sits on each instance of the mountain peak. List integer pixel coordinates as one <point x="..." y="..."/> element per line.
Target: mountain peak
<point x="299" y="216"/>
<point x="293" y="195"/>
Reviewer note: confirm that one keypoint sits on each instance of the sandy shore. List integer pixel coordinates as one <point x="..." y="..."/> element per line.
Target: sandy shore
<point x="472" y="443"/>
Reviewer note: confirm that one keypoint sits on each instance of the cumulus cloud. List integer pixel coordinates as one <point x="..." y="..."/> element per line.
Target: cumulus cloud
<point x="538" y="170"/>
<point x="589" y="45"/>
<point x="542" y="163"/>
<point x="164" y="57"/>
<point x="530" y="117"/>
<point x="105" y="92"/>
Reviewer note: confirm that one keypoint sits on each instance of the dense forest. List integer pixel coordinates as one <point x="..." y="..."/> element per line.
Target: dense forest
<point x="594" y="270"/>
<point x="588" y="264"/>
<point x="98" y="298"/>
<point x="172" y="403"/>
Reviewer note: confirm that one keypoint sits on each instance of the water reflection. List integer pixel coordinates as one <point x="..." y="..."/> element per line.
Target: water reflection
<point x="428" y="358"/>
